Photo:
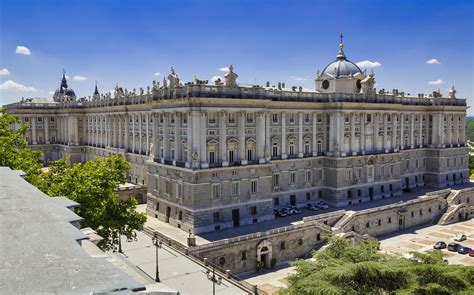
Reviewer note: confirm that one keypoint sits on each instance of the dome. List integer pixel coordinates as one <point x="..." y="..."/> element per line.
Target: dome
<point x="341" y="67"/>
<point x="64" y="91"/>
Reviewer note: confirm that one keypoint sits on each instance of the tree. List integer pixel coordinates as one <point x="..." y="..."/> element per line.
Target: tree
<point x="343" y="268"/>
<point x="92" y="184"/>
<point x="14" y="152"/>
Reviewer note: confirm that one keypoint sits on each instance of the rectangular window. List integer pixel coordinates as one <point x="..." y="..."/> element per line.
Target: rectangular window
<point x="276" y="201"/>
<point x="180" y="215"/>
<point x="319" y="118"/>
<point x="235" y="189"/>
<point x="231" y="118"/>
<point x="308" y="176"/>
<point x="179" y="190"/>
<point x="275" y="150"/>
<point x="217" y="217"/>
<point x="275" y="118"/>
<point x="249" y="118"/>
<point x="276" y="179"/>
<point x="293" y="177"/>
<point x="253" y="186"/>
<point x="212" y="118"/>
<point x="216" y="191"/>
<point x="253" y="210"/>
<point x="306" y="118"/>
<point x="212" y="157"/>
<point x="291" y="118"/>
<point x="369" y="118"/>
<point x="231" y="156"/>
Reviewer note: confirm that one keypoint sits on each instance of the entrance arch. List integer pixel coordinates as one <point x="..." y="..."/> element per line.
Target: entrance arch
<point x="264" y="253"/>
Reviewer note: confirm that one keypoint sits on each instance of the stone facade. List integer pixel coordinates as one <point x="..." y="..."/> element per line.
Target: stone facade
<point x="224" y="155"/>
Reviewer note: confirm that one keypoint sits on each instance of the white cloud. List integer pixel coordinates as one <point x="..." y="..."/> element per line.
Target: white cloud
<point x="214" y="78"/>
<point x="4" y="72"/>
<point x="224" y="69"/>
<point x="157" y="74"/>
<point x="23" y="50"/>
<point x="368" y="64"/>
<point x="436" y="82"/>
<point x="79" y="78"/>
<point x="12" y="85"/>
<point x="298" y="78"/>
<point x="67" y="77"/>
<point x="50" y="92"/>
<point x="433" y="61"/>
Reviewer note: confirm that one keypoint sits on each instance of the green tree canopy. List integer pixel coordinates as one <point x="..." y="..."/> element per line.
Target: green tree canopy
<point x="92" y="184"/>
<point x="14" y="151"/>
<point x="343" y="268"/>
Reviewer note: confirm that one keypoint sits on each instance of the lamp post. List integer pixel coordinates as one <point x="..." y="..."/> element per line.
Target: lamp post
<point x="157" y="244"/>
<point x="215" y="279"/>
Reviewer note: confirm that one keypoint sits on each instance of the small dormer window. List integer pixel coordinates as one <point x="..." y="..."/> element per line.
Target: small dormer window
<point x="325" y="84"/>
<point x="358" y="84"/>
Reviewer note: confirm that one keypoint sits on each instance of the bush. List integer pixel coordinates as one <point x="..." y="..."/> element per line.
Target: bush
<point x="260" y="265"/>
<point x="273" y="262"/>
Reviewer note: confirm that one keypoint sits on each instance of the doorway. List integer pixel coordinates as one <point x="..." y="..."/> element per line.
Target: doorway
<point x="293" y="200"/>
<point x="236" y="217"/>
<point x="168" y="214"/>
<point x="371" y="193"/>
<point x="401" y="222"/>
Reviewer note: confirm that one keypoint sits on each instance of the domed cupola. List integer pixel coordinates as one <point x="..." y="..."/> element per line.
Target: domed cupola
<point x="64" y="93"/>
<point x="341" y="75"/>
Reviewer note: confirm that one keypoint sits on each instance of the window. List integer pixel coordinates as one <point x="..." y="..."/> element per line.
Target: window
<point x="211" y="118"/>
<point x="307" y="147"/>
<point x="282" y="246"/>
<point x="306" y="118"/>
<point x="369" y="118"/>
<point x="216" y="191"/>
<point x="234" y="173"/>
<point x="276" y="179"/>
<point x="308" y="176"/>
<point x="276" y="201"/>
<point x="291" y="118"/>
<point x="347" y="119"/>
<point x="214" y="174"/>
<point x="231" y="156"/>
<point x="293" y="177"/>
<point x="308" y="196"/>
<point x="179" y="190"/>
<point x="235" y="189"/>
<point x="253" y="210"/>
<point x="249" y="118"/>
<point x="52" y="119"/>
<point x="292" y="147"/>
<point x="243" y="255"/>
<point x="180" y="215"/>
<point x="212" y="157"/>
<point x="231" y="118"/>
<point x="171" y="119"/>
<point x="379" y="222"/>
<point x="253" y="186"/>
<point x="249" y="155"/>
<point x="275" y="149"/>
<point x="217" y="217"/>
<point x="319" y="118"/>
<point x="167" y="187"/>
<point x="275" y="118"/>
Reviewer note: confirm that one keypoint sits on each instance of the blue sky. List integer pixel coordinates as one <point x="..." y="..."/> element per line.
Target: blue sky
<point x="129" y="41"/>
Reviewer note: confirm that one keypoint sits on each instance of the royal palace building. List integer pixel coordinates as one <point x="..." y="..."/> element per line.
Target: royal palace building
<point x="220" y="155"/>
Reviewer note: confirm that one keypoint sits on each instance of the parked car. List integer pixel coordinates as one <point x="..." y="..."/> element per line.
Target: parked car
<point x="280" y="212"/>
<point x="460" y="238"/>
<point x="313" y="207"/>
<point x="453" y="247"/>
<point x="464" y="250"/>
<point x="288" y="211"/>
<point x="471" y="253"/>
<point x="439" y="245"/>
<point x="322" y="205"/>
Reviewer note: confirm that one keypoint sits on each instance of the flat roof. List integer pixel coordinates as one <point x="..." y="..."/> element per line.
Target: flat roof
<point x="40" y="249"/>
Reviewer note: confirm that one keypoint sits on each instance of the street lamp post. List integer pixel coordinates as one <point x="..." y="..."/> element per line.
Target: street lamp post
<point x="157" y="244"/>
<point x="215" y="279"/>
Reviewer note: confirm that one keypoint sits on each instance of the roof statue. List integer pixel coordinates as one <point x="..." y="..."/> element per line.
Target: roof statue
<point x="118" y="92"/>
<point x="173" y="79"/>
<point x="230" y="78"/>
<point x="452" y="92"/>
<point x="367" y="85"/>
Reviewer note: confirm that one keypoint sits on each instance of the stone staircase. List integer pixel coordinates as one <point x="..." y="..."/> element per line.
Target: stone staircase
<point x="343" y="221"/>
<point x="452" y="210"/>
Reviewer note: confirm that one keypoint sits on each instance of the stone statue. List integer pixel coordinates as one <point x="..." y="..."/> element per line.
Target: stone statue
<point x="194" y="156"/>
<point x="142" y="91"/>
<point x="148" y="89"/>
<point x="173" y="79"/>
<point x="367" y="85"/>
<point x="230" y="78"/>
<point x="218" y="82"/>
<point x="452" y="92"/>
<point x="165" y="83"/>
<point x="150" y="153"/>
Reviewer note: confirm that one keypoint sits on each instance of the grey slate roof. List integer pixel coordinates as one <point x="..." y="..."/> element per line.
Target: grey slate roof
<point x="40" y="249"/>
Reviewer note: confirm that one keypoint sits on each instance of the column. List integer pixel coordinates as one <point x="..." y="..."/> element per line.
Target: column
<point x="463" y="130"/>
<point x="420" y="135"/>
<point x="33" y="130"/>
<point x="120" y="132"/>
<point x="189" y="139"/>
<point x="402" y="129"/>
<point x="283" y="136"/>
<point x="203" y="138"/>
<point x="376" y="142"/>
<point x="46" y="129"/>
<point x="140" y="134"/>
<point x="353" y="150"/>
<point x="300" y="135"/>
<point x="177" y="137"/>
<point x="114" y="130"/>
<point x="260" y="137"/>
<point x="133" y="133"/>
<point x="268" y="143"/>
<point x="166" y="133"/>
<point x="223" y="139"/>
<point x="412" y="140"/>
<point x="315" y="134"/>
<point x="147" y="133"/>
<point x="363" y="119"/>
<point x="394" y="131"/>
<point x="336" y="134"/>
<point x="385" y="132"/>
<point x="456" y="130"/>
<point x="241" y="130"/>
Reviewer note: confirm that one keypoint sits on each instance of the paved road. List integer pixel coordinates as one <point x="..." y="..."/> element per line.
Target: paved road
<point x="176" y="271"/>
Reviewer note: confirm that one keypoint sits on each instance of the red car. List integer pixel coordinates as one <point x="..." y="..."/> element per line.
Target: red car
<point x="471" y="253"/>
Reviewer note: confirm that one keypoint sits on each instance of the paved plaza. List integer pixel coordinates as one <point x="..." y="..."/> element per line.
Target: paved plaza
<point x="421" y="239"/>
<point x="177" y="272"/>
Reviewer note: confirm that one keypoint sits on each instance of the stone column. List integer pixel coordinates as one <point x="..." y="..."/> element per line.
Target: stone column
<point x="140" y="133"/>
<point x="147" y="133"/>
<point x="376" y="143"/>
<point x="363" y="119"/>
<point x="177" y="137"/>
<point x="166" y="134"/>
<point x="113" y="121"/>
<point x="463" y="130"/>
<point x="241" y="130"/>
<point x="300" y="135"/>
<point x="315" y="134"/>
<point x="394" y="131"/>
<point x="385" y="132"/>
<point x="46" y="129"/>
<point x="283" y="136"/>
<point x="33" y="129"/>
<point x="223" y="138"/>
<point x="456" y="130"/>
<point x="189" y="139"/>
<point x="412" y="132"/>
<point x="352" y="117"/>
<point x="336" y="134"/>
<point x="260" y="137"/>
<point x="420" y="135"/>
<point x="134" y="134"/>
<point x="402" y="130"/>
<point x="268" y="143"/>
<point x="203" y="138"/>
